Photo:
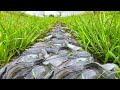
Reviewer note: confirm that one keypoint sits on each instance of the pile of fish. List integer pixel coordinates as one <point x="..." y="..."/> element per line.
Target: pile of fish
<point x="57" y="57"/>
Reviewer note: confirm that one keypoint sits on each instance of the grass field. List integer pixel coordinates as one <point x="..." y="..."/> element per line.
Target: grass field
<point x="18" y="31"/>
<point x="99" y="34"/>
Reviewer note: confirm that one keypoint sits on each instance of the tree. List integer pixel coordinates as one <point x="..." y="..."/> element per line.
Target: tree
<point x="94" y="12"/>
<point x="60" y="13"/>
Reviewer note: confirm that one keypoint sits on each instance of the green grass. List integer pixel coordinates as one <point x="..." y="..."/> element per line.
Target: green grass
<point x="18" y="31"/>
<point x="99" y="34"/>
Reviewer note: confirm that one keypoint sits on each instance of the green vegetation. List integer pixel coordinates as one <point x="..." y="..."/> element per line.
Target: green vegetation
<point x="18" y="31"/>
<point x="99" y="34"/>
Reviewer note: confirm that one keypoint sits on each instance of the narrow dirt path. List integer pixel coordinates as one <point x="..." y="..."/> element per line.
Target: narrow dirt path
<point x="57" y="57"/>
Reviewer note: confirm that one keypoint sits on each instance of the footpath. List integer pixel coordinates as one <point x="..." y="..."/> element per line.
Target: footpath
<point x="57" y="57"/>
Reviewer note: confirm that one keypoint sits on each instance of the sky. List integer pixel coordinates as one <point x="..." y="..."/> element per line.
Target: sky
<point x="55" y="13"/>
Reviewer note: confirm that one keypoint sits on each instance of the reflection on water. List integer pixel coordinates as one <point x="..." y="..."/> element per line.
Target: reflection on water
<point x="55" y="13"/>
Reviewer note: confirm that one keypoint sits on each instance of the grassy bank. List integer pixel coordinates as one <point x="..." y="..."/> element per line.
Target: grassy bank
<point x="99" y="34"/>
<point x="18" y="31"/>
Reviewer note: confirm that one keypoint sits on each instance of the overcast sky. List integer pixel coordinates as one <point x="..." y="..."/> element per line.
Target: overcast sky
<point x="55" y="13"/>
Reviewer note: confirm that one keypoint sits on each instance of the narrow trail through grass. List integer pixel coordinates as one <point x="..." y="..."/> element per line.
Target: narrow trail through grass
<point x="99" y="34"/>
<point x="57" y="57"/>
